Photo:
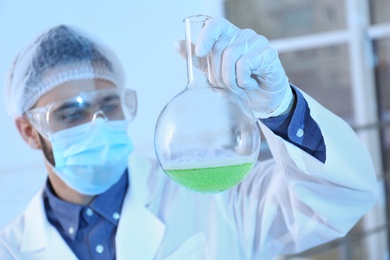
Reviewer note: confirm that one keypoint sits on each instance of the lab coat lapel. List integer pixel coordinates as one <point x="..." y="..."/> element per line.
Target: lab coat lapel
<point x="34" y="223"/>
<point x="57" y="247"/>
<point x="140" y="232"/>
<point x="40" y="236"/>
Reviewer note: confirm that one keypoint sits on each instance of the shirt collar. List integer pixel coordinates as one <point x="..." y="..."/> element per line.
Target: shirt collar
<point x="107" y="204"/>
<point x="65" y="213"/>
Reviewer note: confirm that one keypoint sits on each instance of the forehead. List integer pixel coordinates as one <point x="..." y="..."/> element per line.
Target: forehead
<point x="73" y="88"/>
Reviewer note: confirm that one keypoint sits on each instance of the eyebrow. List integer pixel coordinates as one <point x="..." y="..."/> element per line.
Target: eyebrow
<point x="71" y="105"/>
<point x="84" y="104"/>
<point x="109" y="98"/>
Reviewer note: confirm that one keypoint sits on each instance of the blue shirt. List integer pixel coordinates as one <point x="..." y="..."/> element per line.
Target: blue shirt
<point x="298" y="128"/>
<point x="88" y="230"/>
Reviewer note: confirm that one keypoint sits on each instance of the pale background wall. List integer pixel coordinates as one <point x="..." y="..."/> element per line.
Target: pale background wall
<point x="141" y="32"/>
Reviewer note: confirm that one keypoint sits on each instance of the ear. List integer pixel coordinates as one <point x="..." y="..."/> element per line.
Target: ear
<point x="28" y="132"/>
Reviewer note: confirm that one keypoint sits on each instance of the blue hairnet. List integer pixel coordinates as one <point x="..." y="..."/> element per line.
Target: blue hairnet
<point x="60" y="54"/>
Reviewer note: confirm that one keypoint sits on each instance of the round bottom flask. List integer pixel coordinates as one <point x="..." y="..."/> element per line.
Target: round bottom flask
<point x="206" y="138"/>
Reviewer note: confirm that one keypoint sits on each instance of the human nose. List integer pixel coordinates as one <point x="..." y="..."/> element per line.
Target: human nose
<point x="98" y="114"/>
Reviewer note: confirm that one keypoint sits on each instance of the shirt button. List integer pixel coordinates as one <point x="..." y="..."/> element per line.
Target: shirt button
<point x="300" y="132"/>
<point x="71" y="230"/>
<point x="116" y="215"/>
<point x="99" y="249"/>
<point x="89" y="212"/>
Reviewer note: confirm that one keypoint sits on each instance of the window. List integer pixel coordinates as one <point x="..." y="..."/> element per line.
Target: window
<point x="380" y="11"/>
<point x="285" y="18"/>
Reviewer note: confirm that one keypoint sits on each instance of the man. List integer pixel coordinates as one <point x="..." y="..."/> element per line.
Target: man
<point x="67" y="97"/>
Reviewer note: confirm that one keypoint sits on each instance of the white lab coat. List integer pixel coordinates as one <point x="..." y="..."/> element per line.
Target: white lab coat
<point x="284" y="205"/>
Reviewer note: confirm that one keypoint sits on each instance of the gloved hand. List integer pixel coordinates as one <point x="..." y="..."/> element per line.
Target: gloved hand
<point x="244" y="62"/>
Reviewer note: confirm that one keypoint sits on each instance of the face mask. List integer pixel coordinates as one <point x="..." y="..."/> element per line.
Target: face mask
<point x="90" y="158"/>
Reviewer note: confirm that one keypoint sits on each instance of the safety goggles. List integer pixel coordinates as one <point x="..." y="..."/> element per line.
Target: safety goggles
<point x="109" y="104"/>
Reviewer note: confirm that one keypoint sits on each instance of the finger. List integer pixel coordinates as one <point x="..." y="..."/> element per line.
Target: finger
<point x="246" y="48"/>
<point x="268" y="70"/>
<point x="239" y="48"/>
<point x="228" y="67"/>
<point x="245" y="79"/>
<point x="250" y="68"/>
<point x="215" y="64"/>
<point x="180" y="47"/>
<point x="214" y="29"/>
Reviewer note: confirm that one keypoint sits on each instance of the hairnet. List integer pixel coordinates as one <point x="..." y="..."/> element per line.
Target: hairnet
<point x="61" y="54"/>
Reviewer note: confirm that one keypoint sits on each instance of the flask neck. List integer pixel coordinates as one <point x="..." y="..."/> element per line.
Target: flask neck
<point x="197" y="68"/>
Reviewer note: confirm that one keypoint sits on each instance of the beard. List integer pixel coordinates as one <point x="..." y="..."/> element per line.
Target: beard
<point x="47" y="150"/>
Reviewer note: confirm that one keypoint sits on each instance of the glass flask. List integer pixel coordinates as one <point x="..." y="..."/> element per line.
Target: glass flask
<point x="206" y="138"/>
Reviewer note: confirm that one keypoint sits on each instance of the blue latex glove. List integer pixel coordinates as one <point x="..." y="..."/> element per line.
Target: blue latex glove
<point x="244" y="62"/>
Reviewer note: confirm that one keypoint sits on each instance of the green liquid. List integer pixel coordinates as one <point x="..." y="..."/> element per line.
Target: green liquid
<point x="210" y="179"/>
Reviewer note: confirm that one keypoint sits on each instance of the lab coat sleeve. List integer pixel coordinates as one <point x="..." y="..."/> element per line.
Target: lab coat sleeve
<point x="5" y="238"/>
<point x="295" y="202"/>
<point x="4" y="254"/>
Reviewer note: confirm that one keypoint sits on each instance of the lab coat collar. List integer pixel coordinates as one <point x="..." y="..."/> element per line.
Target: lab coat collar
<point x="141" y="180"/>
<point x="35" y="218"/>
<point x="140" y="232"/>
<point x="39" y="234"/>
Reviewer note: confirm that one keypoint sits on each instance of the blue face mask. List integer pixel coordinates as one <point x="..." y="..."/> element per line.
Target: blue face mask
<point x="90" y="158"/>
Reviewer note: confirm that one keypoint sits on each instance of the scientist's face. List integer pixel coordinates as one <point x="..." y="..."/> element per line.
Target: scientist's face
<point x="65" y="90"/>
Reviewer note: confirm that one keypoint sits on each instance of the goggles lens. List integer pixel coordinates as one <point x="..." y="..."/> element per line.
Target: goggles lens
<point x="111" y="104"/>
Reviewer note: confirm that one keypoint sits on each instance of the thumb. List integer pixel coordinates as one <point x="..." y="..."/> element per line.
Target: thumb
<point x="199" y="62"/>
<point x="180" y="47"/>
